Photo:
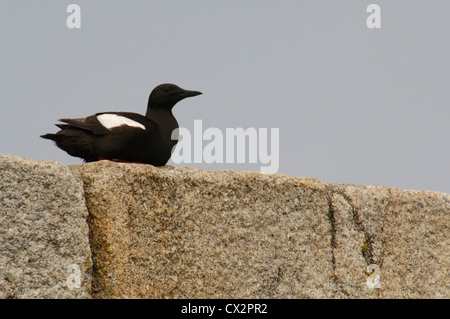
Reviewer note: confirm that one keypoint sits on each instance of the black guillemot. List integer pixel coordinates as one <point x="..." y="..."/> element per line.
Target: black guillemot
<point x="125" y="136"/>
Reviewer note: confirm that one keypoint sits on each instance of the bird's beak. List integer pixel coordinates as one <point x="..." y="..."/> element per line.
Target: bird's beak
<point x="187" y="93"/>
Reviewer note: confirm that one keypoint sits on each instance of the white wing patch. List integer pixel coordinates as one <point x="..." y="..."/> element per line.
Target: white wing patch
<point x="113" y="120"/>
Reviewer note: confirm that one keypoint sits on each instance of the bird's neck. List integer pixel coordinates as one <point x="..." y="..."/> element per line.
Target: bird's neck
<point x="162" y="116"/>
<point x="158" y="113"/>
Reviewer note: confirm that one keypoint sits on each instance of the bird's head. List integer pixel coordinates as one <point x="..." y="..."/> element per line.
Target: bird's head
<point x="165" y="96"/>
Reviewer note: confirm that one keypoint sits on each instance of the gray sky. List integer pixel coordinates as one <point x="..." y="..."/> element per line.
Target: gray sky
<point x="353" y="104"/>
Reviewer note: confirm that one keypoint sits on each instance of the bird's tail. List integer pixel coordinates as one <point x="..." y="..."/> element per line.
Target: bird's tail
<point x="53" y="137"/>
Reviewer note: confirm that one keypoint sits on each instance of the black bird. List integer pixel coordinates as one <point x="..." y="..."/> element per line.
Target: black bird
<point x="125" y="136"/>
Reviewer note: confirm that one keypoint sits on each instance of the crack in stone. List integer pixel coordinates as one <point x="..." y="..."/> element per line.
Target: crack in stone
<point x="367" y="250"/>
<point x="332" y="219"/>
<point x="93" y="269"/>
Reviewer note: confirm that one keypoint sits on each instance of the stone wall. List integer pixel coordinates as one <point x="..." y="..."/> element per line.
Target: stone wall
<point x="43" y="230"/>
<point x="136" y="231"/>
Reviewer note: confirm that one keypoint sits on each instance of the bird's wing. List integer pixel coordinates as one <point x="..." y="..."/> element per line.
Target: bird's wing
<point x="103" y="123"/>
<point x="90" y="123"/>
<point x="114" y="119"/>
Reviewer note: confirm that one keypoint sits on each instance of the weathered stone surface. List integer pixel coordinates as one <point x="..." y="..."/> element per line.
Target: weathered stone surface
<point x="185" y="233"/>
<point x="43" y="230"/>
<point x="406" y="233"/>
<point x="175" y="232"/>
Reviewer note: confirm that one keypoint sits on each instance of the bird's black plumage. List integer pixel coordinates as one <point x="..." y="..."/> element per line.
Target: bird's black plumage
<point x="125" y="136"/>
